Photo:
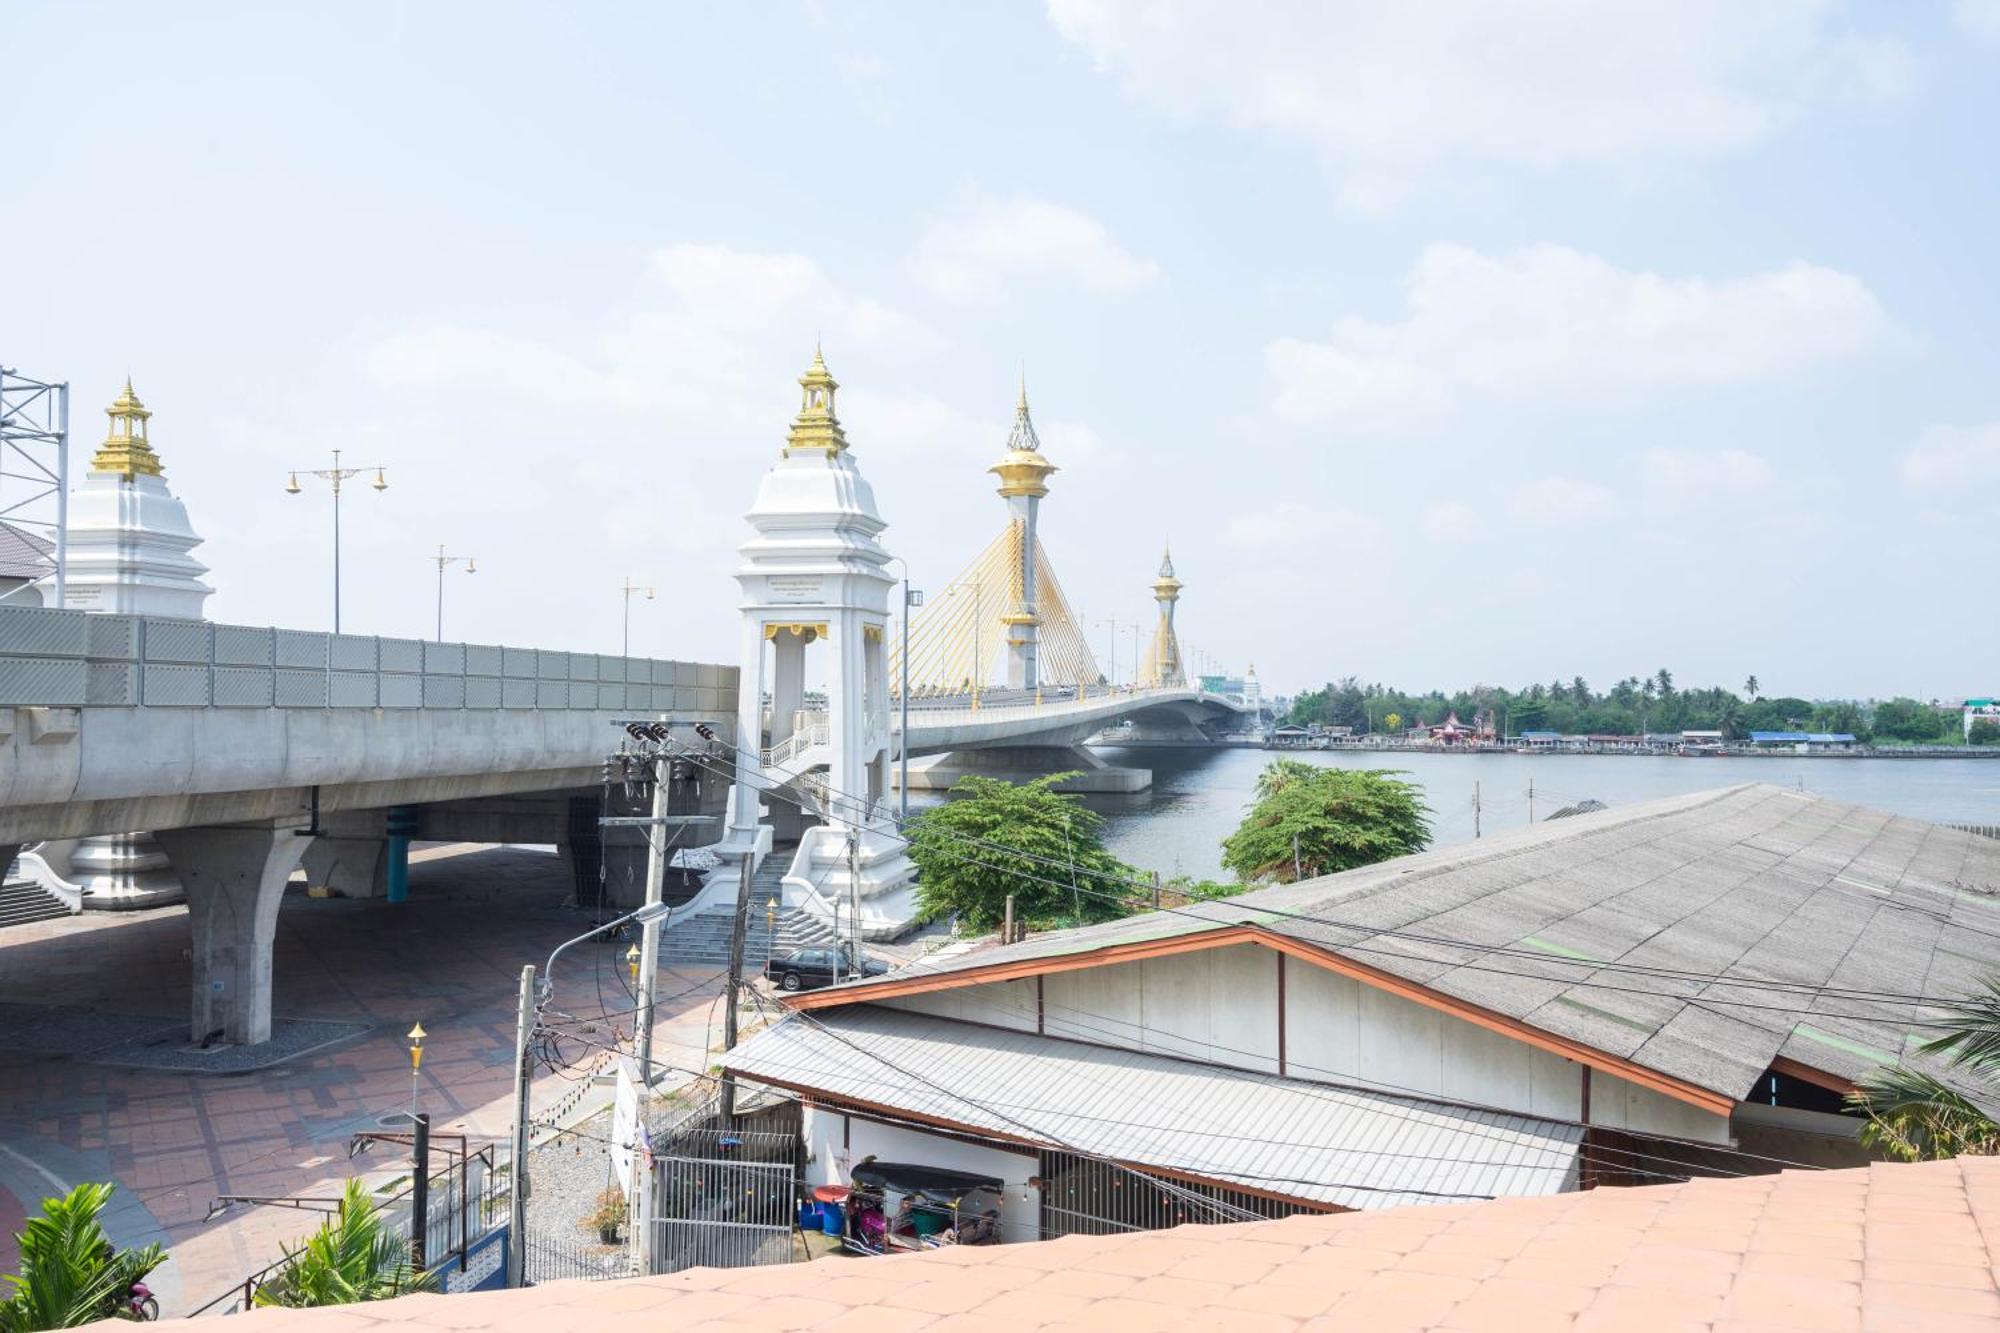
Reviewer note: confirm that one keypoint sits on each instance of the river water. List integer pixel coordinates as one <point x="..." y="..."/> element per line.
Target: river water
<point x="1199" y="796"/>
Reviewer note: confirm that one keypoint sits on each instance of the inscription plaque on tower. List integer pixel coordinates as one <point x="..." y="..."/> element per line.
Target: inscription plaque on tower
<point x="792" y="588"/>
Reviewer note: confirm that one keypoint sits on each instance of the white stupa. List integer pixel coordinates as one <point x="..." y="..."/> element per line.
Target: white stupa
<point x="127" y="549"/>
<point x="129" y="537"/>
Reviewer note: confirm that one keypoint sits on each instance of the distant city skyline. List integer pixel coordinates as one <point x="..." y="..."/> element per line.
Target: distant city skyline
<point x="1446" y="343"/>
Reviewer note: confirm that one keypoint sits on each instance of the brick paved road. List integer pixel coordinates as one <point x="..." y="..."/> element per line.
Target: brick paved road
<point x="450" y="958"/>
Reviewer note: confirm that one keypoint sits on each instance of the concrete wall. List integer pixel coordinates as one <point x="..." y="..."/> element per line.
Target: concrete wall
<point x="835" y="1142"/>
<point x="1221" y="1006"/>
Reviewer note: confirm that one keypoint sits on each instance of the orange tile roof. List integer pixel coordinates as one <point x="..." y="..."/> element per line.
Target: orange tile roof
<point x="1888" y="1247"/>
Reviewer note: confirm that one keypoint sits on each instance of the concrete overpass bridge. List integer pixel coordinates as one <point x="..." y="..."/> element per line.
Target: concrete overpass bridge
<point x="247" y="750"/>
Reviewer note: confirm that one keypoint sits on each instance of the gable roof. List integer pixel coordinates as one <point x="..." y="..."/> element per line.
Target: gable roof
<point x="1348" y="1147"/>
<point x="1704" y="937"/>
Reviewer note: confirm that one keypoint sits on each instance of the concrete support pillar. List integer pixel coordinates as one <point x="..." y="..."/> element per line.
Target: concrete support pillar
<point x="235" y="880"/>
<point x="8" y="851"/>
<point x="352" y="867"/>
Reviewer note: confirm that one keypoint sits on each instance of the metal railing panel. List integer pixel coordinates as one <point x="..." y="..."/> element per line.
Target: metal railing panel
<point x="483" y="659"/>
<point x="482" y="691"/>
<point x="48" y="681"/>
<point x="242" y="687"/>
<point x="444" y="659"/>
<point x="170" y="686"/>
<point x="240" y="645"/>
<point x="114" y="684"/>
<point x="444" y="692"/>
<point x="353" y="652"/>
<point x="520" y="662"/>
<point x="352" y="689"/>
<point x="187" y="641"/>
<point x="520" y="693"/>
<point x="112" y="638"/>
<point x="300" y="689"/>
<point x="400" y="655"/>
<point x="32" y="632"/>
<point x="297" y="648"/>
<point x="399" y="691"/>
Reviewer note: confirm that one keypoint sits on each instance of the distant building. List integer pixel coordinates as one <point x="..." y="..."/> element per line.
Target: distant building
<point x="1803" y="741"/>
<point x="1974" y="709"/>
<point x="25" y="558"/>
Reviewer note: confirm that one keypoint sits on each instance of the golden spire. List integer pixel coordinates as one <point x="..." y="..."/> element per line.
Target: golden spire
<point x="1022" y="469"/>
<point x="816" y="427"/>
<point x="1167" y="587"/>
<point x="125" y="450"/>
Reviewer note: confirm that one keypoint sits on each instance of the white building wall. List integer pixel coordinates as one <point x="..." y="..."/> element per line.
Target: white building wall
<point x="835" y="1142"/>
<point x="1221" y="1006"/>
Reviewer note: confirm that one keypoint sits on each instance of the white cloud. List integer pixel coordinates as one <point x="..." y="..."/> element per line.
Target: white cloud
<point x="1564" y="502"/>
<point x="1449" y="521"/>
<point x="1979" y="17"/>
<point x="1954" y="456"/>
<point x="979" y="256"/>
<point x="1296" y="528"/>
<point x="1391" y="93"/>
<point x="1551" y="320"/>
<point x="1684" y="478"/>
<point x="710" y="356"/>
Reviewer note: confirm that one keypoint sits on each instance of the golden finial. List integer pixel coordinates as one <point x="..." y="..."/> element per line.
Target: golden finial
<point x="1167" y="587"/>
<point x="125" y="449"/>
<point x="1022" y="469"/>
<point x="816" y="426"/>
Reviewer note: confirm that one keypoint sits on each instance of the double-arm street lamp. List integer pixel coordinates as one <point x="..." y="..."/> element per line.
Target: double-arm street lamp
<point x="910" y="598"/>
<point x="335" y="475"/>
<point x="445" y="562"/>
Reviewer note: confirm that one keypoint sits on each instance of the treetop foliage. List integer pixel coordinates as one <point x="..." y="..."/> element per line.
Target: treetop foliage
<point x="995" y="838"/>
<point x="1309" y="820"/>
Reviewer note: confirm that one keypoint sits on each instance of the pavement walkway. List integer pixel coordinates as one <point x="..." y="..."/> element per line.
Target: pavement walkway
<point x="449" y="958"/>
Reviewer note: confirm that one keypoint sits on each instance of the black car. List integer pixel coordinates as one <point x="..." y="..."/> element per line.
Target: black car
<point x="805" y="969"/>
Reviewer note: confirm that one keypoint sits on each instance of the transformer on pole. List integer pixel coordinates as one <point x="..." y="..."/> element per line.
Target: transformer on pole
<point x="34" y="468"/>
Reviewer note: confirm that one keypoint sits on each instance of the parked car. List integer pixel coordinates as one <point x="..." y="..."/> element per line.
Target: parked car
<point x="805" y="969"/>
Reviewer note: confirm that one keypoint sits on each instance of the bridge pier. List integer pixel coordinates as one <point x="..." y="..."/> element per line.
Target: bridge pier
<point x="1023" y="763"/>
<point x="235" y="879"/>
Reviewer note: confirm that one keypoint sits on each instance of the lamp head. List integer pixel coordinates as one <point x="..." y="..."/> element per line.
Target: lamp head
<point x="381" y="480"/>
<point x="417" y="1035"/>
<point x="471" y="564"/>
<point x="292" y="486"/>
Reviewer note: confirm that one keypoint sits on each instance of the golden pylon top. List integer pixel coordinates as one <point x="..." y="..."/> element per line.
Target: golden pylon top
<point x="1022" y="469"/>
<point x="1167" y="587"/>
<point x="816" y="426"/>
<point x="125" y="449"/>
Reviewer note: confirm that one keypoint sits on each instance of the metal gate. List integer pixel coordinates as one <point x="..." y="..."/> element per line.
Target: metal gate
<point x="721" y="1199"/>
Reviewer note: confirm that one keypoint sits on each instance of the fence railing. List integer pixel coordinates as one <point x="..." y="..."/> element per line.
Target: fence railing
<point x="468" y="1201"/>
<point x="68" y="659"/>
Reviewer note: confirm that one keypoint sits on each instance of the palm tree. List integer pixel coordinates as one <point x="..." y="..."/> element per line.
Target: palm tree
<point x="1751" y="688"/>
<point x="1916" y="1117"/>
<point x="352" y="1257"/>
<point x="71" y="1274"/>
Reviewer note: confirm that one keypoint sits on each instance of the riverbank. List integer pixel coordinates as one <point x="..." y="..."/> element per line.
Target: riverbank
<point x="1651" y="751"/>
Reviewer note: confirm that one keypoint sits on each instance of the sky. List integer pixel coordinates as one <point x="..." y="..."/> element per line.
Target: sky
<point x="1447" y="343"/>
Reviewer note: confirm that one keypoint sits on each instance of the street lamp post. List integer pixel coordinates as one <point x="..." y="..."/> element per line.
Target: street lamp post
<point x="910" y="599"/>
<point x="416" y="1037"/>
<point x="334" y="476"/>
<point x="1111" y="668"/>
<point x="444" y="562"/>
<point x="1134" y="631"/>
<point x="625" y="643"/>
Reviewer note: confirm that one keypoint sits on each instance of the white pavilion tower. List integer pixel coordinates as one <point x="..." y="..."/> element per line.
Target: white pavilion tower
<point x="816" y="573"/>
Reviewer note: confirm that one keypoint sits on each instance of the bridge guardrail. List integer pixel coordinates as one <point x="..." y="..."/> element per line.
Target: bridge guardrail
<point x="72" y="659"/>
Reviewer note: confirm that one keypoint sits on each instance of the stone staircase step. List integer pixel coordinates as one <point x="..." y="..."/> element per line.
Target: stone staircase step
<point x="24" y="901"/>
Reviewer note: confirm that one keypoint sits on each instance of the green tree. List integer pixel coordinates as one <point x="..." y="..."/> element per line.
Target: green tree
<point x="1916" y="1117"/>
<point x="1908" y="720"/>
<point x="71" y="1274"/>
<point x="352" y="1257"/>
<point x="995" y="838"/>
<point x="1332" y="819"/>
<point x="1985" y="731"/>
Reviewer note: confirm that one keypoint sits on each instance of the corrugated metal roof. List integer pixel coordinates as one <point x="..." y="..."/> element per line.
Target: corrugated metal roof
<point x="1753" y="883"/>
<point x="23" y="555"/>
<point x="1310" y="1141"/>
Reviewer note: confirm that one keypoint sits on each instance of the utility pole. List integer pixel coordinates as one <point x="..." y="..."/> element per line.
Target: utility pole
<point x="625" y="640"/>
<point x="1475" y="810"/>
<point x="1531" y="800"/>
<point x="1007" y="922"/>
<point x="517" y="1195"/>
<point x="1297" y="873"/>
<point x="854" y="900"/>
<point x="1156" y="890"/>
<point x="649" y="933"/>
<point x="738" y="927"/>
